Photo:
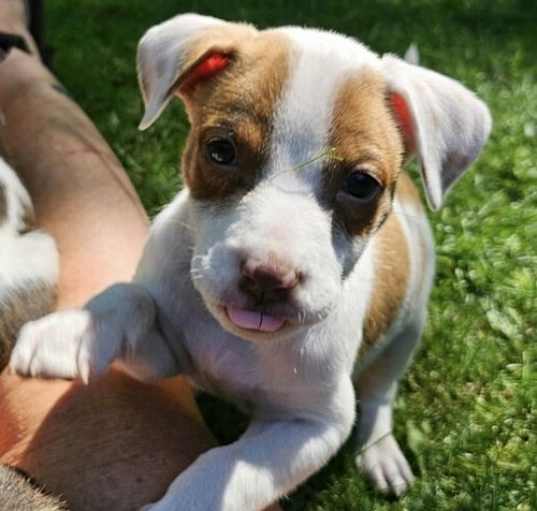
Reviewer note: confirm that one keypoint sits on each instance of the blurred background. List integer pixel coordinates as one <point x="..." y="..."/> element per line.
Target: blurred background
<point x="466" y="415"/>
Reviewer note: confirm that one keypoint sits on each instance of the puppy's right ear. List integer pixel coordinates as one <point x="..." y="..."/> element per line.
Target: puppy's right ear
<point x="441" y="121"/>
<point x="178" y="54"/>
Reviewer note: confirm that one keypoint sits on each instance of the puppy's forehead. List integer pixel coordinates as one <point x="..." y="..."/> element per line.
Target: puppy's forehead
<point x="289" y="91"/>
<point x="288" y="72"/>
<point x="319" y="65"/>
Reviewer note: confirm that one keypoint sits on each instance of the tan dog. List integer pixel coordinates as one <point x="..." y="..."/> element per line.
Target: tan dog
<point x="296" y="261"/>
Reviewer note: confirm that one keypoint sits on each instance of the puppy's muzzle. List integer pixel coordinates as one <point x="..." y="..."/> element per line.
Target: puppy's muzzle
<point x="268" y="282"/>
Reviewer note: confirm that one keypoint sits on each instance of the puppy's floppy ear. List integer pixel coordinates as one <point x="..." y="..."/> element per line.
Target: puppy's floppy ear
<point x="444" y="123"/>
<point x="178" y="54"/>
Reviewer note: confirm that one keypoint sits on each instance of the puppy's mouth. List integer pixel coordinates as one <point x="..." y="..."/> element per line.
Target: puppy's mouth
<point x="254" y="320"/>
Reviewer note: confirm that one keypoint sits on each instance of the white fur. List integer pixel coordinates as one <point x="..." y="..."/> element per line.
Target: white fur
<point x="306" y="108"/>
<point x="297" y="382"/>
<point x="159" y="73"/>
<point x="450" y="122"/>
<point x="17" y="199"/>
<point x="24" y="258"/>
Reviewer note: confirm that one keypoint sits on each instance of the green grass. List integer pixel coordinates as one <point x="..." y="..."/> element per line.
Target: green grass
<point x="467" y="411"/>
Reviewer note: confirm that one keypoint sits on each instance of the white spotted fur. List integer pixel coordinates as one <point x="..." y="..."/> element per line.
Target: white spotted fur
<point x="24" y="258"/>
<point x="297" y="383"/>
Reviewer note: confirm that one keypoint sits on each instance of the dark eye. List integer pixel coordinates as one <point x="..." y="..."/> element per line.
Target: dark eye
<point x="361" y="186"/>
<point x="221" y="151"/>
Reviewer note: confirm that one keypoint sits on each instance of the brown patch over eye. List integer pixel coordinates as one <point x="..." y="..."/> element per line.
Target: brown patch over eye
<point x="368" y="146"/>
<point x="231" y="117"/>
<point x="220" y="160"/>
<point x="358" y="217"/>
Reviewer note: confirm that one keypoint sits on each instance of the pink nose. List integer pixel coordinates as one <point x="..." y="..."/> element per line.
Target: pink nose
<point x="268" y="281"/>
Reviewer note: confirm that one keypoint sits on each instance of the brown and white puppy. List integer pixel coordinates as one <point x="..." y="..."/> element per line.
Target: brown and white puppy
<point x="298" y="258"/>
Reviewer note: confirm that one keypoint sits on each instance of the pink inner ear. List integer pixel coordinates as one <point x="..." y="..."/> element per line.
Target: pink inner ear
<point x="404" y="118"/>
<point x="207" y="68"/>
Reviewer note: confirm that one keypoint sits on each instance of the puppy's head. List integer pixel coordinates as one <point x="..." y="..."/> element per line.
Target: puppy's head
<point x="297" y="140"/>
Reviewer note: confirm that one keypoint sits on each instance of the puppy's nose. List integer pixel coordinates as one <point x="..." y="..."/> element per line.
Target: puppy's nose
<point x="268" y="281"/>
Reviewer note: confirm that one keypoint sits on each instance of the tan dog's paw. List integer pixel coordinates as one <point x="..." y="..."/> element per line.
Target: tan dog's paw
<point x="386" y="467"/>
<point x="60" y="345"/>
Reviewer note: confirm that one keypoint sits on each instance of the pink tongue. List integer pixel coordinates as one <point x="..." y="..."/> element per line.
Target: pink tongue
<point x="254" y="320"/>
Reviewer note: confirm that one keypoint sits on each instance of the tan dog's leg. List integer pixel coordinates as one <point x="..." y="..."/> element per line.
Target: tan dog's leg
<point x="116" y="444"/>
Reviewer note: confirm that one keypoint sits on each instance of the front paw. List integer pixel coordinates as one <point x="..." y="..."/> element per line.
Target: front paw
<point x="60" y="345"/>
<point x="386" y="467"/>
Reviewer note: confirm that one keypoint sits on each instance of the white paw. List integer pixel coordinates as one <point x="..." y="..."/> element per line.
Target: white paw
<point x="386" y="467"/>
<point x="60" y="345"/>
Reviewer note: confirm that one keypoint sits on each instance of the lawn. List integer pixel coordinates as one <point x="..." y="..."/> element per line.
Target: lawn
<point x="466" y="414"/>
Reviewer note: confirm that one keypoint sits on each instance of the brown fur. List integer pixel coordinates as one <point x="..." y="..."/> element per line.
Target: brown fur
<point x="408" y="193"/>
<point x="29" y="301"/>
<point x="392" y="268"/>
<point x="28" y="219"/>
<point x="18" y="493"/>
<point x="3" y="204"/>
<point x="241" y="100"/>
<point x="364" y="135"/>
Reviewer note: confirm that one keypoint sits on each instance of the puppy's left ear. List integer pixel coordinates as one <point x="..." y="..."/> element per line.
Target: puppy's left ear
<point x="444" y="123"/>
<point x="179" y="54"/>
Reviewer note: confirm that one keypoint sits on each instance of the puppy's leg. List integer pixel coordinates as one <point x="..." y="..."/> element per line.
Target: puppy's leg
<point x="116" y="324"/>
<point x="379" y="456"/>
<point x="268" y="461"/>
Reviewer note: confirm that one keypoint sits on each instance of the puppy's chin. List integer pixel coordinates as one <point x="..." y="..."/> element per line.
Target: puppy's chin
<point x="239" y="323"/>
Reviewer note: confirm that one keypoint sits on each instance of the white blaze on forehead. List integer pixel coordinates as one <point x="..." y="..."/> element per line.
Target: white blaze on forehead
<point x="319" y="62"/>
